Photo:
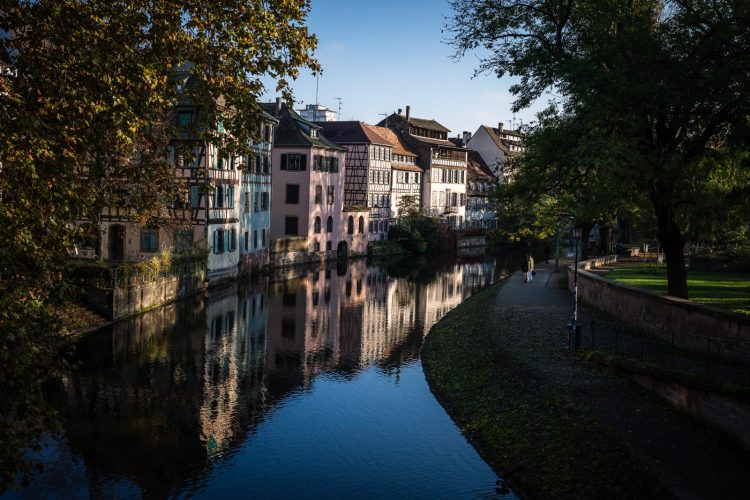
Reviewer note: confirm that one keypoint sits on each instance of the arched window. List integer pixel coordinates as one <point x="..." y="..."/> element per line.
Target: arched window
<point x="317" y="225"/>
<point x="350" y="225"/>
<point x="329" y="224"/>
<point x="361" y="224"/>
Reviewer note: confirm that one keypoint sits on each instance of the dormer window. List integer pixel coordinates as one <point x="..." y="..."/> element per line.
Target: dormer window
<point x="313" y="133"/>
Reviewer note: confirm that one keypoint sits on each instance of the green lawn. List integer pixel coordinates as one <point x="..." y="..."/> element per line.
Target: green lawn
<point x="726" y="290"/>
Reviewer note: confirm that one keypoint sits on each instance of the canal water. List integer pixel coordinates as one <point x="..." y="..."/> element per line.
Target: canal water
<point x="306" y="385"/>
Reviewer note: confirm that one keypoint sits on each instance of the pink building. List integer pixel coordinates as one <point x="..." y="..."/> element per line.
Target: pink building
<point x="307" y="200"/>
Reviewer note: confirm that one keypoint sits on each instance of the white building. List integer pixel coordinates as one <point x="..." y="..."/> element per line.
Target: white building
<point x="317" y="113"/>
<point x="496" y="146"/>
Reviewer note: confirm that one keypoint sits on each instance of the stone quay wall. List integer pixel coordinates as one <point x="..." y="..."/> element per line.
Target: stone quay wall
<point x="666" y="317"/>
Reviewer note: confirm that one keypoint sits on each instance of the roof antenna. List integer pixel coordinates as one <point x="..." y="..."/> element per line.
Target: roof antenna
<point x="338" y="116"/>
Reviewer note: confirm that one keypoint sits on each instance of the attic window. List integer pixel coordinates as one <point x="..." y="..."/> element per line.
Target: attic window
<point x="313" y="132"/>
<point x="179" y="88"/>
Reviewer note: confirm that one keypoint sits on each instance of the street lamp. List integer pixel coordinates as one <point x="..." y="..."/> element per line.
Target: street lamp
<point x="575" y="328"/>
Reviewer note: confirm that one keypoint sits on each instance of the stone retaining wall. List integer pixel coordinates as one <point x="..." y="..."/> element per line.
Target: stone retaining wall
<point x="661" y="315"/>
<point x="125" y="301"/>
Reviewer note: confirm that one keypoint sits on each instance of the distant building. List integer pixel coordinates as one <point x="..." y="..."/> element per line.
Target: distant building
<point x="443" y="163"/>
<point x="496" y="147"/>
<point x="406" y="175"/>
<point x="479" y="184"/>
<point x="317" y="113"/>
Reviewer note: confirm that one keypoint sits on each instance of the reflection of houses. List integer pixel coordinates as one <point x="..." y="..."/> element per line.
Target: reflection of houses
<point x="477" y="275"/>
<point x="444" y="165"/>
<point x="368" y="170"/>
<point x="440" y="296"/>
<point x="497" y="146"/>
<point x="308" y="190"/>
<point x="375" y="334"/>
<point x="480" y="181"/>
<point x="162" y="393"/>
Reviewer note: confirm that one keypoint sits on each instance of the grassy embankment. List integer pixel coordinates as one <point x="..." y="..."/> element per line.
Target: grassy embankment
<point x="544" y="446"/>
<point x="719" y="289"/>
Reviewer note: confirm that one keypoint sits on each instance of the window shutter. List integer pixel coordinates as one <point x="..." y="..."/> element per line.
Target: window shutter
<point x="284" y="162"/>
<point x="195" y="196"/>
<point x="303" y="162"/>
<point x="216" y="241"/>
<point x="234" y="239"/>
<point x="231" y="197"/>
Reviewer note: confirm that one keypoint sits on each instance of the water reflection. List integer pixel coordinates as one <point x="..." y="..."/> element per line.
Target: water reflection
<point x="163" y="401"/>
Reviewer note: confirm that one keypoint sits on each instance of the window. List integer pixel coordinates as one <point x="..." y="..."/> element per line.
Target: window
<point x="361" y="224"/>
<point x="264" y="201"/>
<point x="370" y="226"/>
<point x="318" y="195"/>
<point x="263" y="239"/>
<point x="293" y="162"/>
<point x="334" y="165"/>
<point x="219" y="241"/>
<point x="292" y="194"/>
<point x="255" y="201"/>
<point x="247" y="241"/>
<point x="258" y="163"/>
<point x="266" y="164"/>
<point x="329" y="246"/>
<point x="330" y="195"/>
<point x="434" y="198"/>
<point x="350" y="225"/>
<point x="329" y="224"/>
<point x="316" y="248"/>
<point x="406" y="177"/>
<point x="186" y="119"/>
<point x="290" y="226"/>
<point x="317" y="225"/>
<point x="255" y="240"/>
<point x="149" y="239"/>
<point x="219" y="197"/>
<point x="247" y="201"/>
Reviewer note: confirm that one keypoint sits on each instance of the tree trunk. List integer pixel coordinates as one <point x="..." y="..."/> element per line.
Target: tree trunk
<point x="673" y="243"/>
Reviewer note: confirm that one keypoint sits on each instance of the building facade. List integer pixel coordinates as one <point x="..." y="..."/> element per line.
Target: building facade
<point x="497" y="146"/>
<point x="308" y="190"/>
<point x="444" y="165"/>
<point x="479" y="184"/>
<point x="255" y="198"/>
<point x="368" y="171"/>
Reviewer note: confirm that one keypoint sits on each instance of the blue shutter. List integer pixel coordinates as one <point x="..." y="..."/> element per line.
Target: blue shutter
<point x="195" y="196"/>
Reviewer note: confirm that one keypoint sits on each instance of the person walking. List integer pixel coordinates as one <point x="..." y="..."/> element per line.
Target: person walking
<point x="525" y="268"/>
<point x="531" y="268"/>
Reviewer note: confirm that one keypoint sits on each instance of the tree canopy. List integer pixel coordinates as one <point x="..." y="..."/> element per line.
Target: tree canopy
<point x="87" y="110"/>
<point x="662" y="84"/>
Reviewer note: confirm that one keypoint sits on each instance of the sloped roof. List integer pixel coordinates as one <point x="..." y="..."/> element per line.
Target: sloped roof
<point x="292" y="130"/>
<point x="350" y="132"/>
<point x="409" y="167"/>
<point x="478" y="169"/>
<point x="496" y="136"/>
<point x="391" y="138"/>
<point x="428" y="124"/>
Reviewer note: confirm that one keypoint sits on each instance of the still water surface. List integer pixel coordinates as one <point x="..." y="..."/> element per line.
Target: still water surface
<point x="307" y="385"/>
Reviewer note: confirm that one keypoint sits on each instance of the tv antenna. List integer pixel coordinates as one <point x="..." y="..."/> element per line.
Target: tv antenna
<point x="338" y="115"/>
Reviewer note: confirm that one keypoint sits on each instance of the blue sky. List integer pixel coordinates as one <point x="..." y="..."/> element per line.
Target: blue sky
<point x="379" y="56"/>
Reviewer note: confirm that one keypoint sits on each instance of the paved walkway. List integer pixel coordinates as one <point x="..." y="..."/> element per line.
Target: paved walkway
<point x="691" y="459"/>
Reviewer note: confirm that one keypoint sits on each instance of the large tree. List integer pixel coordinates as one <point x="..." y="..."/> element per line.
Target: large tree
<point x="86" y="113"/>
<point x="664" y="82"/>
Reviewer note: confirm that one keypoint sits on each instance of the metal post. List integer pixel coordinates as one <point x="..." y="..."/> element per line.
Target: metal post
<point x="575" y="286"/>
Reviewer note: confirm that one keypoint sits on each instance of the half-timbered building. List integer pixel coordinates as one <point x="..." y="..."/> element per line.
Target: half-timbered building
<point x="255" y="198"/>
<point x="479" y="184"/>
<point x="444" y="165"/>
<point x="368" y="170"/>
<point x="308" y="190"/>
<point x="406" y="175"/>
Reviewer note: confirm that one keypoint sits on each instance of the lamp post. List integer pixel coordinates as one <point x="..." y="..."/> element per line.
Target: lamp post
<point x="575" y="328"/>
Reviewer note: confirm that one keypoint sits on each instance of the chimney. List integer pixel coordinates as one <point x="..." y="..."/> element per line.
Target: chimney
<point x="399" y="110"/>
<point x="467" y="137"/>
<point x="278" y="105"/>
<point x="408" y="111"/>
<point x="500" y="126"/>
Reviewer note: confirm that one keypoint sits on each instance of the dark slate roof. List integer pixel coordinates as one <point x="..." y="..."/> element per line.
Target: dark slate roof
<point x="350" y="132"/>
<point x="503" y="144"/>
<point x="428" y="124"/>
<point x="293" y="130"/>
